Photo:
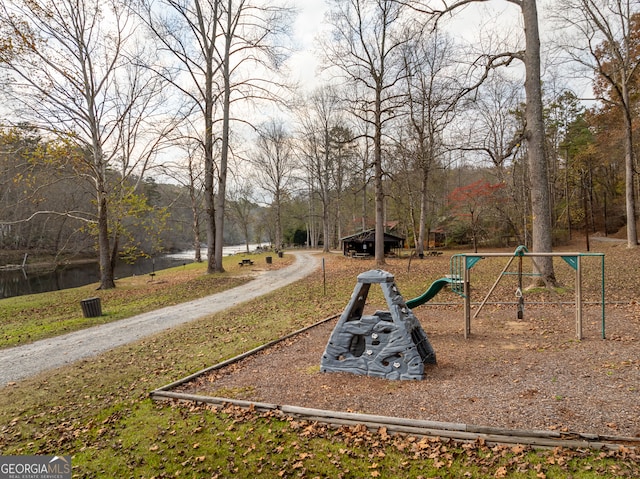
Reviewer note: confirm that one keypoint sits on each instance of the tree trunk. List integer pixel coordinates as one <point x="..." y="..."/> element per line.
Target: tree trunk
<point x="632" y="233"/>
<point x="567" y="194"/>
<point x="224" y="155"/>
<point x="196" y="217"/>
<point x="339" y="220"/>
<point x="365" y="165"/>
<point x="324" y="186"/>
<point x="278" y="244"/>
<point x="196" y="237"/>
<point x="104" y="251"/>
<point x="379" y="244"/>
<point x="208" y="49"/>
<point x="423" y="210"/>
<point x="585" y="208"/>
<point x="379" y="193"/>
<point x="209" y="196"/>
<point x="542" y="240"/>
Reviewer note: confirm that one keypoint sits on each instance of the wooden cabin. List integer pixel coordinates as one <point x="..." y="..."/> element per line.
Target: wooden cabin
<point x="363" y="244"/>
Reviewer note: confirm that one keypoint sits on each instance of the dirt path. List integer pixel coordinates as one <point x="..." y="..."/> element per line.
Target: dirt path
<point x="23" y="361"/>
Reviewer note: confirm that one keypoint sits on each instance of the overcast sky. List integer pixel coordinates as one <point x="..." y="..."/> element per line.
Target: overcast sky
<point x="466" y="25"/>
<point x="306" y="28"/>
<point x="473" y="24"/>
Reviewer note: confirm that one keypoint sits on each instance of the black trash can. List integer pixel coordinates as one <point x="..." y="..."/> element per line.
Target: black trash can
<point x="91" y="308"/>
<point x="280" y="253"/>
<point x="269" y="258"/>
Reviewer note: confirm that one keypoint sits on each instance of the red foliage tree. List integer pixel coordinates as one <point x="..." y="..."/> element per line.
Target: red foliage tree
<point x="472" y="201"/>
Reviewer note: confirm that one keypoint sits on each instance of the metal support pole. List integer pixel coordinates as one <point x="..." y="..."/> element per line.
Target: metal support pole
<point x="519" y="291"/>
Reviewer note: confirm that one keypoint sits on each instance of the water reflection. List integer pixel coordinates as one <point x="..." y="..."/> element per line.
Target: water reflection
<point x="19" y="282"/>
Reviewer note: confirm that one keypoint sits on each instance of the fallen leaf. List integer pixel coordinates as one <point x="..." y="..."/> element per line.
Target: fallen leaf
<point x="501" y="472"/>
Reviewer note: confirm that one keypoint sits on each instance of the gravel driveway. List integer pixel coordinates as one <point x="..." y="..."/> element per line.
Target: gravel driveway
<point x="23" y="361"/>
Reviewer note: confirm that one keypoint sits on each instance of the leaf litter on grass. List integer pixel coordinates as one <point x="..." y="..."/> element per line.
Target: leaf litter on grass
<point x="99" y="407"/>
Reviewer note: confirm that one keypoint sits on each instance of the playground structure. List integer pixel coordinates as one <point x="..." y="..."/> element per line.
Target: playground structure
<point x="392" y="344"/>
<point x="460" y="280"/>
<point x="388" y="344"/>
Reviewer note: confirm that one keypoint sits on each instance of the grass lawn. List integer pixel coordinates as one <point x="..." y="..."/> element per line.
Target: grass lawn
<point x="28" y="318"/>
<point x="98" y="410"/>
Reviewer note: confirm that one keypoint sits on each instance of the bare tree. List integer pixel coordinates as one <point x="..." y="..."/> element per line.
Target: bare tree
<point x="534" y="134"/>
<point x="367" y="49"/>
<point x="142" y="135"/>
<point x="195" y="198"/>
<point x="344" y="162"/>
<point x="67" y="65"/>
<point x="496" y="125"/>
<point x="242" y="206"/>
<point x="321" y="114"/>
<point x="188" y="31"/>
<point x="603" y="37"/>
<point x="274" y="165"/>
<point x="496" y="134"/>
<point x="219" y="45"/>
<point x="188" y="172"/>
<point x="433" y="96"/>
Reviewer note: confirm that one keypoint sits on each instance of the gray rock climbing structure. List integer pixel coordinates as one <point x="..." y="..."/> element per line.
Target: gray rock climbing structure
<point x="389" y="344"/>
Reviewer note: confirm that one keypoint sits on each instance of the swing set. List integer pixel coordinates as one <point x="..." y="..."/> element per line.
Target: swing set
<point x="460" y="279"/>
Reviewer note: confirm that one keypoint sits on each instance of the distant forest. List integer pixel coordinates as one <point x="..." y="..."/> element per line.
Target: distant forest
<point x="44" y="199"/>
<point x="130" y="129"/>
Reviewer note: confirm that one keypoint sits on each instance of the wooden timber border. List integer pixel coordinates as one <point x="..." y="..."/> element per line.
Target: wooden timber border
<point x="421" y="428"/>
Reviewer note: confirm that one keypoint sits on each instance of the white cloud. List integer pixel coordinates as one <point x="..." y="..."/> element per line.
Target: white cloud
<point x="304" y="63"/>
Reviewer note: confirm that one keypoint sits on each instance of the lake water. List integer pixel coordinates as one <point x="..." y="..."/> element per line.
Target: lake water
<point x="18" y="282"/>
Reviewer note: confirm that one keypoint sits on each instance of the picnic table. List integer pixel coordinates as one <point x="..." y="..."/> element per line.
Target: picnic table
<point x="246" y="261"/>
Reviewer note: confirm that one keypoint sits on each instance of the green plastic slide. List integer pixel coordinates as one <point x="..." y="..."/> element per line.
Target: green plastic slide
<point x="434" y="289"/>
